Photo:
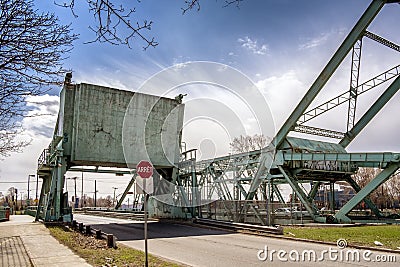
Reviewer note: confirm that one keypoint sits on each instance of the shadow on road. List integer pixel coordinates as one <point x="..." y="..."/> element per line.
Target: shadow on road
<point x="135" y="231"/>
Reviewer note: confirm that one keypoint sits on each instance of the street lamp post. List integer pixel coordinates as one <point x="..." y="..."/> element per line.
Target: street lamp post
<point x="82" y="190"/>
<point x="73" y="178"/>
<point x="115" y="188"/>
<point x="95" y="193"/>
<point x="29" y="182"/>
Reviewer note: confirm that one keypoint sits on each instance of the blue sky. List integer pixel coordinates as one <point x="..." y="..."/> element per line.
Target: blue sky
<point x="280" y="45"/>
<point x="230" y="35"/>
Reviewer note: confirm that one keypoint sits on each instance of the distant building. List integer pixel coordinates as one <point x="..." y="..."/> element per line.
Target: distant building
<point x="341" y="196"/>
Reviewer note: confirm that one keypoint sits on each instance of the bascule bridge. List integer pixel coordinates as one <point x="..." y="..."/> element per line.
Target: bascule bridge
<point x="89" y="132"/>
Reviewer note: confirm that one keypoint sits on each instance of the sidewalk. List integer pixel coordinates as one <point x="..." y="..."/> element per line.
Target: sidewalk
<point x="27" y="243"/>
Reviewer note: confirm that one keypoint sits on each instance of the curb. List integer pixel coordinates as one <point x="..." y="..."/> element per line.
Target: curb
<point x="387" y="250"/>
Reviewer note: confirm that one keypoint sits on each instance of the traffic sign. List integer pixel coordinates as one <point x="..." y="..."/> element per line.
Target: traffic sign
<point x="144" y="185"/>
<point x="144" y="169"/>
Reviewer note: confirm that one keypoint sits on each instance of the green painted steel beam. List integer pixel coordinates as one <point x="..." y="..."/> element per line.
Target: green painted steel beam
<point x="382" y="177"/>
<point x="266" y="161"/>
<point x="345" y="97"/>
<point x="332" y="198"/>
<point x="314" y="190"/>
<point x="119" y="203"/>
<point x="371" y="112"/>
<point x="60" y="171"/>
<point x="96" y="170"/>
<point x="182" y="192"/>
<point x="386" y="157"/>
<point x="367" y="200"/>
<point x="357" y="31"/>
<point x="300" y="193"/>
<point x="275" y="189"/>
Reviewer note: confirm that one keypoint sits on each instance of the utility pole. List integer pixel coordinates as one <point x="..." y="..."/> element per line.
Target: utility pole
<point x="95" y="193"/>
<point x="16" y="199"/>
<point x="115" y="188"/>
<point x="82" y="191"/>
<point x="29" y="182"/>
<point x="74" y="178"/>
<point x="37" y="186"/>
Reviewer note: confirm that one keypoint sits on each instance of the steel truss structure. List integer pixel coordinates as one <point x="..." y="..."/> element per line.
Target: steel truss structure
<point x="247" y="184"/>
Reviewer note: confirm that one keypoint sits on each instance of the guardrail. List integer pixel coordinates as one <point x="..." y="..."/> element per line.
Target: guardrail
<point x="119" y="215"/>
<point x="88" y="230"/>
<point x="209" y="222"/>
<point x="240" y="226"/>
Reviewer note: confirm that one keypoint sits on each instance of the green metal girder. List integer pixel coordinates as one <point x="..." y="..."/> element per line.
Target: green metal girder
<point x="357" y="31"/>
<point x="277" y="192"/>
<point x="372" y="111"/>
<point x="302" y="196"/>
<point x="267" y="158"/>
<point x="314" y="190"/>
<point x="60" y="171"/>
<point x="367" y="200"/>
<point x="119" y="203"/>
<point x="382" y="177"/>
<point x="97" y="170"/>
<point x="386" y="157"/>
<point x="345" y="97"/>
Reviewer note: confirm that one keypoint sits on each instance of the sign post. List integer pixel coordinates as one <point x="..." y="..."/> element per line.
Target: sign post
<point x="145" y="170"/>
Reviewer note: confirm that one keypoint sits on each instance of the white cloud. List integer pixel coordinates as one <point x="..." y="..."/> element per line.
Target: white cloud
<point x="42" y="117"/>
<point x="321" y="39"/>
<point x="282" y="94"/>
<point x="39" y="130"/>
<point x="253" y="46"/>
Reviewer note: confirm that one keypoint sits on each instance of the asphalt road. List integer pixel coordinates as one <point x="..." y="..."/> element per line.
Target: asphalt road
<point x="195" y="246"/>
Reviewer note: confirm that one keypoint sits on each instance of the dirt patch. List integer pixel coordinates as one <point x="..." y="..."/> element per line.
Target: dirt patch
<point x="89" y="242"/>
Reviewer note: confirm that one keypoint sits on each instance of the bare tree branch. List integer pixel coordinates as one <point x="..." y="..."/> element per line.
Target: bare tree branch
<point x="248" y="143"/>
<point x="32" y="49"/>
<point x="233" y="2"/>
<point x="115" y="24"/>
<point x="190" y="5"/>
<point x="386" y="194"/>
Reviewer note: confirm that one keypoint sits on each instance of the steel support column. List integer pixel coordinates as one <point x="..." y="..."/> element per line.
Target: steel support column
<point x="357" y="31"/>
<point x="372" y="111"/>
<point x="355" y="74"/>
<point x="341" y="215"/>
<point x="367" y="200"/>
<point x="302" y="196"/>
<point x="119" y="203"/>
<point x="314" y="190"/>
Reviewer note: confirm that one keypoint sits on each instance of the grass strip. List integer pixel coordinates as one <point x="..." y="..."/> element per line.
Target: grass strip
<point x="96" y="252"/>
<point x="388" y="235"/>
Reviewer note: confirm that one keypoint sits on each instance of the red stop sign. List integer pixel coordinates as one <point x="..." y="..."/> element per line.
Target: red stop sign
<point x="144" y="169"/>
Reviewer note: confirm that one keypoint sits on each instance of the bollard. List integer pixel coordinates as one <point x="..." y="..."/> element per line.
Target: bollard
<point x="74" y="224"/>
<point x="81" y="227"/>
<point x="88" y="230"/>
<point x="98" y="234"/>
<point x="7" y="214"/>
<point x="111" y="241"/>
